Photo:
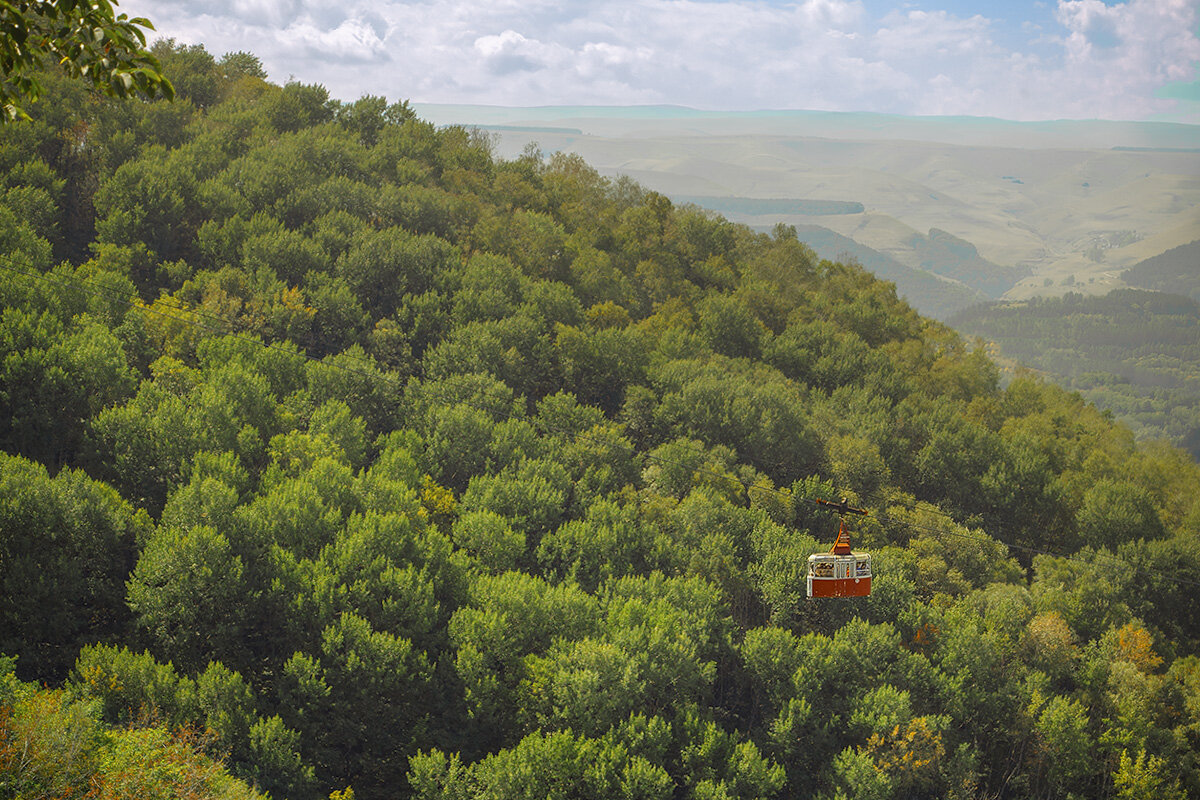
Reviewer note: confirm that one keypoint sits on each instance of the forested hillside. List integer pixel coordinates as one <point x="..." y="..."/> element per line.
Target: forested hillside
<point x="1131" y="352"/>
<point x="924" y="291"/>
<point x="341" y="451"/>
<point x="1176" y="271"/>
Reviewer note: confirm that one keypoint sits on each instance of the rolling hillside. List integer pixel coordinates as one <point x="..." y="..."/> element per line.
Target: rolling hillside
<point x="1135" y="353"/>
<point x="1045" y="205"/>
<point x="1176" y="271"/>
<point x="371" y="462"/>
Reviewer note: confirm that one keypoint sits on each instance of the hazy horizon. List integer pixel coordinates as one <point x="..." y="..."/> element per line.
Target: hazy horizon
<point x="1022" y="60"/>
<point x="947" y="128"/>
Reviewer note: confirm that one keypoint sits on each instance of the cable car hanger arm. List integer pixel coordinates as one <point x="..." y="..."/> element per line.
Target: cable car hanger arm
<point x="843" y="507"/>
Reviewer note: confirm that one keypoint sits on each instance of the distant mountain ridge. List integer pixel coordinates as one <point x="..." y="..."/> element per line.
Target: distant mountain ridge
<point x="764" y="205"/>
<point x="926" y="292"/>
<point x="948" y="256"/>
<point x="951" y="276"/>
<point x="839" y="124"/>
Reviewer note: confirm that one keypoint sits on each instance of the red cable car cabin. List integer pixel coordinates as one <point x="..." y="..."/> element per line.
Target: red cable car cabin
<point x="841" y="572"/>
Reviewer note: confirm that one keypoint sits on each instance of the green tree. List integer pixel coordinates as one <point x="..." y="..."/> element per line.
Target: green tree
<point x="1145" y="776"/>
<point x="382" y="266"/>
<point x="716" y="765"/>
<point x="66" y="545"/>
<point x="533" y="240"/>
<point x="239" y="64"/>
<point x="403" y="578"/>
<point x="729" y="328"/>
<point x="144" y="445"/>
<point x="491" y="288"/>
<point x="952" y="451"/>
<point x="532" y="496"/>
<point x="297" y="106"/>
<point x="751" y="410"/>
<point x="151" y="201"/>
<point x="1088" y="593"/>
<point x="192" y="70"/>
<point x="543" y="766"/>
<point x="131" y="687"/>
<point x="361" y="703"/>
<point x="514" y="350"/>
<point x="53" y="379"/>
<point x="597" y="366"/>
<point x="89" y="40"/>
<point x="610" y="542"/>
<point x="1114" y="513"/>
<point x="188" y="593"/>
<point x="1064" y="742"/>
<point x="507" y="618"/>
<point x="489" y="538"/>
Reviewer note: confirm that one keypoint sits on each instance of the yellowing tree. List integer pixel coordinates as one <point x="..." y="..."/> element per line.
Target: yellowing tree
<point x="1145" y="776"/>
<point x="911" y="754"/>
<point x="1135" y="646"/>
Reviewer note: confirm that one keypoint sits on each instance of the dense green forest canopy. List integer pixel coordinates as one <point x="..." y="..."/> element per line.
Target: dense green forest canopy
<point x="1133" y="353"/>
<point x="343" y="452"/>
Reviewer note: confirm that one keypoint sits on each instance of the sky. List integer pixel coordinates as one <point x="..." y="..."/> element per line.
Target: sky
<point x="1012" y="59"/>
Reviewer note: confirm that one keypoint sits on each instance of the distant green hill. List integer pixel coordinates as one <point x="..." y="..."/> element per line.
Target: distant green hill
<point x="952" y="276"/>
<point x="947" y="255"/>
<point x="1133" y="352"/>
<point x="1177" y="270"/>
<point x="926" y="292"/>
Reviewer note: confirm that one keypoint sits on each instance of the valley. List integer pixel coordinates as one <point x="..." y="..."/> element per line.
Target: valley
<point x="1040" y="208"/>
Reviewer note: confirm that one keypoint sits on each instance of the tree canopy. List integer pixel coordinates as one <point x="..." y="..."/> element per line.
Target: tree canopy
<point x="341" y="451"/>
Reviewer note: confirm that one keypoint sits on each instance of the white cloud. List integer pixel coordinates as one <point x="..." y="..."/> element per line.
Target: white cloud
<point x="358" y="40"/>
<point x="1096" y="61"/>
<point x="1124" y="52"/>
<point x="511" y="52"/>
<point x="924" y="35"/>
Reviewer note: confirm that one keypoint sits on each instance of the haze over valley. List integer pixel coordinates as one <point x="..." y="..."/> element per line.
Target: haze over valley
<point x="990" y="208"/>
